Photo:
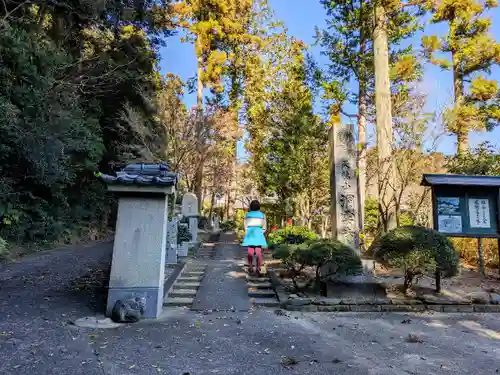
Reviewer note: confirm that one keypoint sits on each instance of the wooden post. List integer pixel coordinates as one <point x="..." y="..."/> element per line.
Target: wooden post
<point x="498" y="249"/>
<point x="481" y="256"/>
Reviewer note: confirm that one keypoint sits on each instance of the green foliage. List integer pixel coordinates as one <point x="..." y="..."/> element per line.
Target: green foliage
<point x="340" y="258"/>
<point x="291" y="235"/>
<point x="484" y="160"/>
<point x="331" y="256"/>
<point x="76" y="97"/>
<point x="418" y="251"/>
<point x="347" y="42"/>
<point x="472" y="52"/>
<point x="406" y="220"/>
<point x="4" y="250"/>
<point x="371" y="217"/>
<point x="228" y="225"/>
<point x="183" y="234"/>
<point x="239" y="219"/>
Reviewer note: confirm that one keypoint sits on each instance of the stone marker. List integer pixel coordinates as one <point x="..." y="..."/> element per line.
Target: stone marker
<point x="183" y="248"/>
<point x="190" y="211"/>
<point x="216" y="223"/>
<point x="138" y="265"/>
<point x="189" y="205"/>
<point x="344" y="195"/>
<point x="344" y="185"/>
<point x="171" y="245"/>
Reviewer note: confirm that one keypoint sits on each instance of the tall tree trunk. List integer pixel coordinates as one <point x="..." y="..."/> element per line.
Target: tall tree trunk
<point x="361" y="156"/>
<point x="461" y="129"/>
<point x="198" y="179"/>
<point x="212" y="202"/>
<point x="361" y="149"/>
<point x="384" y="120"/>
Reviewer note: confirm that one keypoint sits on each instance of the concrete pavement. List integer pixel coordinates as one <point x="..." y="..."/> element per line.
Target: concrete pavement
<point x="36" y="337"/>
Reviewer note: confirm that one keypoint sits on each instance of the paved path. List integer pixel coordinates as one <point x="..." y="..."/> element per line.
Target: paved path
<point x="36" y="339"/>
<point x="224" y="285"/>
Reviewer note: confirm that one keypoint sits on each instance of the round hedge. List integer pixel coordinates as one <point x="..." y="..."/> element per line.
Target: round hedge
<point x="292" y="235"/>
<point x="403" y="240"/>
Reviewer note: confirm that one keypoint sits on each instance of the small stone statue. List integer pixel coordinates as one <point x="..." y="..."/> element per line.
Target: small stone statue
<point x="129" y="310"/>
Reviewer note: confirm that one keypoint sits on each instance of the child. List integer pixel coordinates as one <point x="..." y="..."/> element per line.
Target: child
<point x="255" y="227"/>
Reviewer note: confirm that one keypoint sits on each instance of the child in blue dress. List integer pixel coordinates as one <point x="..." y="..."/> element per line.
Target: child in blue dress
<point x="255" y="228"/>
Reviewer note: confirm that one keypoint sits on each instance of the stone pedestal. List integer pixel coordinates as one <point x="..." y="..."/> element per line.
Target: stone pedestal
<point x="138" y="265"/>
<point x="183" y="249"/>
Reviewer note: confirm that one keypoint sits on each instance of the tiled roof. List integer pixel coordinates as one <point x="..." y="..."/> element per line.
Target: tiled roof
<point x="454" y="179"/>
<point x="142" y="174"/>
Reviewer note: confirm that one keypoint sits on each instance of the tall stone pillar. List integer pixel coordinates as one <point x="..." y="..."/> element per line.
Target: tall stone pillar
<point x="190" y="211"/>
<point x="138" y="265"/>
<point x="344" y="185"/>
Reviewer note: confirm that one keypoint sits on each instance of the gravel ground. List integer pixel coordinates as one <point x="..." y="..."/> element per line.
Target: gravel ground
<point x="36" y="337"/>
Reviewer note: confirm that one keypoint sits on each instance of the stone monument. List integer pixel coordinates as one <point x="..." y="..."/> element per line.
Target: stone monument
<point x="344" y="185"/>
<point x="138" y="265"/>
<point x="216" y="225"/>
<point x="344" y="201"/>
<point x="190" y="211"/>
<point x="183" y="248"/>
<point x="171" y="245"/>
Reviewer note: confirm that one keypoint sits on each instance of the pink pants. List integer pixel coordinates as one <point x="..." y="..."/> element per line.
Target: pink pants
<point x="258" y="254"/>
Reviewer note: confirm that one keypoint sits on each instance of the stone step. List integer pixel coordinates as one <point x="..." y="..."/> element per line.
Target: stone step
<point x="183" y="293"/>
<point x="190" y="285"/>
<point x="195" y="269"/>
<point x="187" y="279"/>
<point x="178" y="301"/>
<point x="261" y="293"/>
<point x="269" y="302"/>
<point x="192" y="274"/>
<point x="259" y="280"/>
<point x="267" y="285"/>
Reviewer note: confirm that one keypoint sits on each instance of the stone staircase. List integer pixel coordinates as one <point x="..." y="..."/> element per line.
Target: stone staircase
<point x="261" y="292"/>
<point x="186" y="286"/>
<point x="206" y="252"/>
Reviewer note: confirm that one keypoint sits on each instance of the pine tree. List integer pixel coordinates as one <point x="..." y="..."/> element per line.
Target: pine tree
<point x="473" y="52"/>
<point x="348" y="42"/>
<point x="219" y="30"/>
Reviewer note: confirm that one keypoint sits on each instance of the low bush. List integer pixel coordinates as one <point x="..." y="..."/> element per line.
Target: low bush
<point x="329" y="258"/>
<point x="417" y="251"/>
<point x="291" y="235"/>
<point x="228" y="226"/>
<point x="183" y="234"/>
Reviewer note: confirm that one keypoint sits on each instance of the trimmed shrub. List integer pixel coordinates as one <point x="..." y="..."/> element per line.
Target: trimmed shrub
<point x="291" y="235"/>
<point x="339" y="259"/>
<point x="417" y="251"/>
<point x="183" y="234"/>
<point x="228" y="225"/>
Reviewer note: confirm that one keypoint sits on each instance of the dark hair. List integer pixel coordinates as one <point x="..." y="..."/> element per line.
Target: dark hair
<point x="254" y="206"/>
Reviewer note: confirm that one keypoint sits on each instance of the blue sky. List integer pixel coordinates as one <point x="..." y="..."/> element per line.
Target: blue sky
<point x="301" y="17"/>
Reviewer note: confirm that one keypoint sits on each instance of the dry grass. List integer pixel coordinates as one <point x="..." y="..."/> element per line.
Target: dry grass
<point x="467" y="248"/>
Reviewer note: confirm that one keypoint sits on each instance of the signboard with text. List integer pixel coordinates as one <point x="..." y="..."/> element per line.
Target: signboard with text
<point x="469" y="212"/>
